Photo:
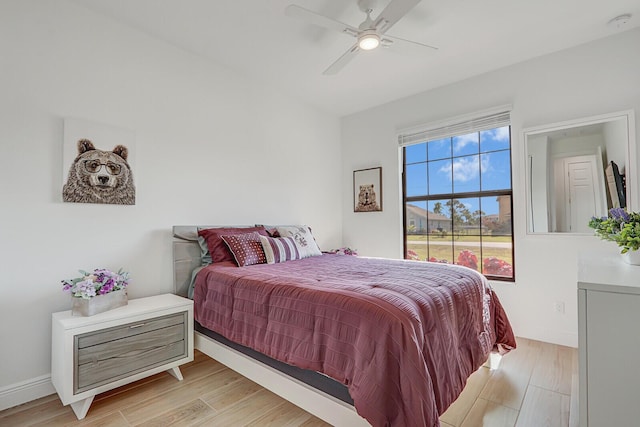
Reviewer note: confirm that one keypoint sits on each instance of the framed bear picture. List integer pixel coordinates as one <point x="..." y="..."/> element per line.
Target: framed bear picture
<point x="367" y="190"/>
<point x="98" y="163"/>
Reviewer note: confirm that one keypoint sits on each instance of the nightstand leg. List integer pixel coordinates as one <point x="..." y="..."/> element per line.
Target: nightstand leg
<point x="81" y="407"/>
<point x="176" y="373"/>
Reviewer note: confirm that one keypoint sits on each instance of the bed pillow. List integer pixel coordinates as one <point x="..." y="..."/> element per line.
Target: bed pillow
<point x="217" y="247"/>
<point x="301" y="234"/>
<point x="279" y="249"/>
<point x="246" y="248"/>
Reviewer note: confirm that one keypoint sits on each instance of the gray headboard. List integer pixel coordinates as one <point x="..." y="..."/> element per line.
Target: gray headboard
<point x="186" y="256"/>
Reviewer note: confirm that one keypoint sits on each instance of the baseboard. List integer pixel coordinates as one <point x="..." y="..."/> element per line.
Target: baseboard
<point x="25" y="391"/>
<point x="567" y="339"/>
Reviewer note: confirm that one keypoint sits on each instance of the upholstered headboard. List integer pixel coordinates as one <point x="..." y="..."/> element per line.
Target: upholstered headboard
<point x="187" y="256"/>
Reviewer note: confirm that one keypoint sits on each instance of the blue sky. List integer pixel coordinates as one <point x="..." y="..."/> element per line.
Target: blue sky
<point x="480" y="159"/>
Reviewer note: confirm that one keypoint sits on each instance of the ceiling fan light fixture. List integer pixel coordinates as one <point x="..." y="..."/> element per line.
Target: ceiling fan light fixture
<point x="369" y="41"/>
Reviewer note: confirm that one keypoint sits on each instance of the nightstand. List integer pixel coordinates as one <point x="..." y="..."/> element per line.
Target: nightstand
<point x="90" y="355"/>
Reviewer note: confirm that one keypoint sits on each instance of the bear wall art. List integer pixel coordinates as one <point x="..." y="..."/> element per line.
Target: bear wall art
<point x="98" y="163"/>
<point x="367" y="190"/>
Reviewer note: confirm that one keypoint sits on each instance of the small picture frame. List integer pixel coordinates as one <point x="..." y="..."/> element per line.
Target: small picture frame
<point x="367" y="190"/>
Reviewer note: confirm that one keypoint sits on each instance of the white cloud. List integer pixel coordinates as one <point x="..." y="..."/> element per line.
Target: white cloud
<point x="499" y="134"/>
<point x="466" y="168"/>
<point x="463" y="140"/>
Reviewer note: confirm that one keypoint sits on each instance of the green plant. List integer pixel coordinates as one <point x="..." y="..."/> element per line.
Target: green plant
<point x="620" y="227"/>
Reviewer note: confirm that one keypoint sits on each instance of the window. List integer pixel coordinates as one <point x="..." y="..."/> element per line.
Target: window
<point x="458" y="195"/>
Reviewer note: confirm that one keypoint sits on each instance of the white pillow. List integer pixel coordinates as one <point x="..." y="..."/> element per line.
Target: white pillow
<point x="301" y="234"/>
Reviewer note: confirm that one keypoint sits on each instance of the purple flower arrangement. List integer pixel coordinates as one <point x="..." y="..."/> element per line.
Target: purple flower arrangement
<point x="99" y="282"/>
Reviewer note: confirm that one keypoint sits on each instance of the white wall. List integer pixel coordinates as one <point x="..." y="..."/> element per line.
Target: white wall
<point x="614" y="132"/>
<point x="592" y="79"/>
<point x="211" y="147"/>
<point x="576" y="145"/>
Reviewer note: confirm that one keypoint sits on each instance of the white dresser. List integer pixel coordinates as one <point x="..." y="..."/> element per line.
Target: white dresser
<point x="609" y="340"/>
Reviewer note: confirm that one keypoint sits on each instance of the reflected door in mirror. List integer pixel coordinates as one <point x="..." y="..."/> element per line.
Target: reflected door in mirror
<point x="565" y="171"/>
<point x="579" y="195"/>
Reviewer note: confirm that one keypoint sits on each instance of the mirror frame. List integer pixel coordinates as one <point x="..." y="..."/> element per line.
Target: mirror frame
<point x="631" y="171"/>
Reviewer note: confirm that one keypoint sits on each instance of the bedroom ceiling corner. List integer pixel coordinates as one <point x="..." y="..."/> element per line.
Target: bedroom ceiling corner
<point x="256" y="39"/>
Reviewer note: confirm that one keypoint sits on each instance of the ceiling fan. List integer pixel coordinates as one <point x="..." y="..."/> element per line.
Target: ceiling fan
<point x="370" y="34"/>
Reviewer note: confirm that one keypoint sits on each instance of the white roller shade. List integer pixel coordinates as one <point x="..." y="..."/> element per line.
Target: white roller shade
<point x="458" y="126"/>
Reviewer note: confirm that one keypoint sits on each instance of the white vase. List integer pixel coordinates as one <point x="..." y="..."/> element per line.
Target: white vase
<point x="632" y="257"/>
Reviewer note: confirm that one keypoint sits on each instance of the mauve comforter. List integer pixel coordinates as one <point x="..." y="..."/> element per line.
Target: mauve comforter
<point x="404" y="336"/>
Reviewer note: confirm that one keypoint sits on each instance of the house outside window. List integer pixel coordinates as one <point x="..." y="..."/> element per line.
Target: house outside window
<point x="457" y="192"/>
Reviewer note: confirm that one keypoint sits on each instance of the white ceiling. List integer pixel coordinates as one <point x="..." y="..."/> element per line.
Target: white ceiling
<point x="256" y="39"/>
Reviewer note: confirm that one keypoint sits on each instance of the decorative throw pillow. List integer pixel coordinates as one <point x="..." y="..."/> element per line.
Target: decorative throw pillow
<point x="301" y="234"/>
<point x="246" y="248"/>
<point x="279" y="249"/>
<point x="217" y="248"/>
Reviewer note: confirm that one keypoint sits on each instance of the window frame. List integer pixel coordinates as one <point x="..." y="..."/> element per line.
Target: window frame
<point x="460" y="195"/>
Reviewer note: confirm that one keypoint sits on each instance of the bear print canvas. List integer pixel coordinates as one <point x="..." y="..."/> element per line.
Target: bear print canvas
<point x="367" y="190"/>
<point x="98" y="163"/>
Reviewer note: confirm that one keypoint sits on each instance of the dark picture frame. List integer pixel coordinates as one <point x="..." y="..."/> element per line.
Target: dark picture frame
<point x="367" y="190"/>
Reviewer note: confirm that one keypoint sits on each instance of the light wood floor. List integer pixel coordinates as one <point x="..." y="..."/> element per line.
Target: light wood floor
<point x="535" y="386"/>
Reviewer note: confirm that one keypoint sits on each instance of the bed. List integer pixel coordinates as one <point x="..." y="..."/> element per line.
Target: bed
<point x="401" y="337"/>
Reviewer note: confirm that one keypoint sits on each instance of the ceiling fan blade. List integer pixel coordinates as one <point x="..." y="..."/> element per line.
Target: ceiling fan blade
<point x="393" y="39"/>
<point x="392" y="14"/>
<point x="296" y="11"/>
<point x="342" y="61"/>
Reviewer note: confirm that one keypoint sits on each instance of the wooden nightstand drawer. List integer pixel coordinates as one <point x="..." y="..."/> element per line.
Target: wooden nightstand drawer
<point x="141" y="346"/>
<point x="128" y="330"/>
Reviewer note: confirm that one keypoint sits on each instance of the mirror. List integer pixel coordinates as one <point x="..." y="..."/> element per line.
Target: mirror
<point x="576" y="170"/>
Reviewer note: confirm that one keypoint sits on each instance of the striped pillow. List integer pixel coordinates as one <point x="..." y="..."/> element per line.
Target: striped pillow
<point x="279" y="249"/>
<point x="245" y="248"/>
<point x="305" y="241"/>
